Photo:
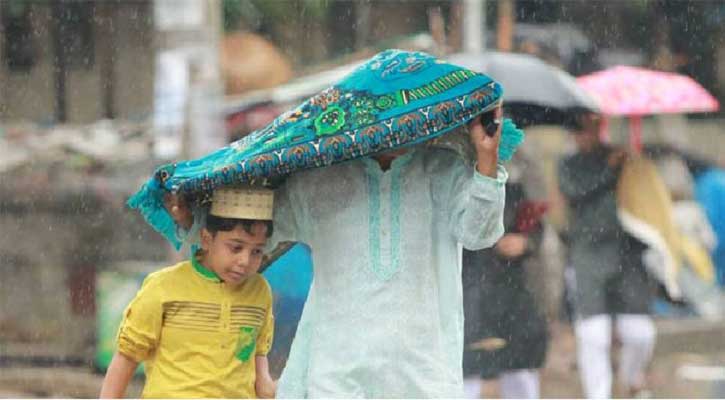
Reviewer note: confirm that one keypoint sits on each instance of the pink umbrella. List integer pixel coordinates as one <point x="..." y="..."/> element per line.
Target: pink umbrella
<point x="635" y="92"/>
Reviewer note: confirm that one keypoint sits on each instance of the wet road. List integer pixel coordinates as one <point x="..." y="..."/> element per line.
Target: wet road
<point x="689" y="362"/>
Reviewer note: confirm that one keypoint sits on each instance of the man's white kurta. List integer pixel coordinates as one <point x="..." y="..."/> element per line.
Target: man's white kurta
<point x="384" y="317"/>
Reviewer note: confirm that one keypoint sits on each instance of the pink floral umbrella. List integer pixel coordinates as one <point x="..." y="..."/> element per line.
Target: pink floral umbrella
<point x="634" y="92"/>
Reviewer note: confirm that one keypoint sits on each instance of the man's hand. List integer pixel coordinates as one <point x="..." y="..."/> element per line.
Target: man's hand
<point x="486" y="146"/>
<point x="616" y="158"/>
<point x="179" y="210"/>
<point x="512" y="245"/>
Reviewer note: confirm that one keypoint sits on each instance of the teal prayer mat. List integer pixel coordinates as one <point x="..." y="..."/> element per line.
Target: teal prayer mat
<point x="396" y="99"/>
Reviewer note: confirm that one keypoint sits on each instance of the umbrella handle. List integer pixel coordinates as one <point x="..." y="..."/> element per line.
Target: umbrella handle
<point x="604" y="130"/>
<point x="635" y="133"/>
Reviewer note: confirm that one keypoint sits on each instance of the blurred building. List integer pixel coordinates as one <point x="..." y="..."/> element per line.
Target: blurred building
<point x="62" y="195"/>
<point x="75" y="61"/>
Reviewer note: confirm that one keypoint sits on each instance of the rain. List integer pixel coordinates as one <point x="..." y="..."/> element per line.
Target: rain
<point x="606" y="280"/>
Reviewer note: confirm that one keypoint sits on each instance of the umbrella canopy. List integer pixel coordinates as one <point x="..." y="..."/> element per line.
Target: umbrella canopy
<point x="528" y="80"/>
<point x="634" y="92"/>
<point x="626" y="90"/>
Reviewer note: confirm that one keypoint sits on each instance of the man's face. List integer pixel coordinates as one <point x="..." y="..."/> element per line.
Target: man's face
<point x="586" y="140"/>
<point x="587" y="137"/>
<point x="234" y="255"/>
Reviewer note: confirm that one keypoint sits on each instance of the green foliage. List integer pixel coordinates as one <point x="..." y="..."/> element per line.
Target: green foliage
<point x="232" y="14"/>
<point x="15" y="8"/>
<point x="285" y="10"/>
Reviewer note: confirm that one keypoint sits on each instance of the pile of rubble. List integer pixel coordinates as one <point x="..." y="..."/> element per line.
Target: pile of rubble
<point x="108" y="157"/>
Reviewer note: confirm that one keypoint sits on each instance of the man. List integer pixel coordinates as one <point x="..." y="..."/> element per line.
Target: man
<point x="384" y="317"/>
<point x="610" y="278"/>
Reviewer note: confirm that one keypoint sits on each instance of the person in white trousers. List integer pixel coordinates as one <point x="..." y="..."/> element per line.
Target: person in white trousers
<point x="610" y="282"/>
<point x="637" y="335"/>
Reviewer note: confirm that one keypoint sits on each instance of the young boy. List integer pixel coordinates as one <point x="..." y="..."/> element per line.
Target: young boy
<point x="203" y="327"/>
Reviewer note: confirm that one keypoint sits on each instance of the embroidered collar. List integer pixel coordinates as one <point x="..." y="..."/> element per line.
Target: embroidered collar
<point x="373" y="167"/>
<point x="202" y="270"/>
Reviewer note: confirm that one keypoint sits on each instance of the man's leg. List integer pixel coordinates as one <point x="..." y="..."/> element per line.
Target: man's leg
<point x="593" y="343"/>
<point x="637" y="333"/>
<point x="520" y="384"/>
<point x="633" y="297"/>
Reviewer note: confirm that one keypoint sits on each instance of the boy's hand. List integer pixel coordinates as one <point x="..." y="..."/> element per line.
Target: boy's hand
<point x="265" y="387"/>
<point x="486" y="146"/>
<point x="179" y="210"/>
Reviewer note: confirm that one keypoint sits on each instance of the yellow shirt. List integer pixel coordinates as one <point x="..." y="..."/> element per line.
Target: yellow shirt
<point x="197" y="336"/>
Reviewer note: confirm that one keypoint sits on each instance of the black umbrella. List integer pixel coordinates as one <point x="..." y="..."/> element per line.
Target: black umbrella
<point x="534" y="91"/>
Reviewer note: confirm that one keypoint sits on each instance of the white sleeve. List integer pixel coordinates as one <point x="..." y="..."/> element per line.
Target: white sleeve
<point x="474" y="204"/>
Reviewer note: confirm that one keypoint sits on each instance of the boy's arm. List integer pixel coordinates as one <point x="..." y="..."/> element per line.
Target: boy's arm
<point x="119" y="373"/>
<point x="264" y="385"/>
<point x="140" y="329"/>
<point x="138" y="336"/>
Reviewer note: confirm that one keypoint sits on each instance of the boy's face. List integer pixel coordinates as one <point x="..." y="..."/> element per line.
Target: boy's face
<point x="234" y="255"/>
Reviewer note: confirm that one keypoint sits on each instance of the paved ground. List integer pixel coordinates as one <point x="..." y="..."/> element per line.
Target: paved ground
<point x="689" y="363"/>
